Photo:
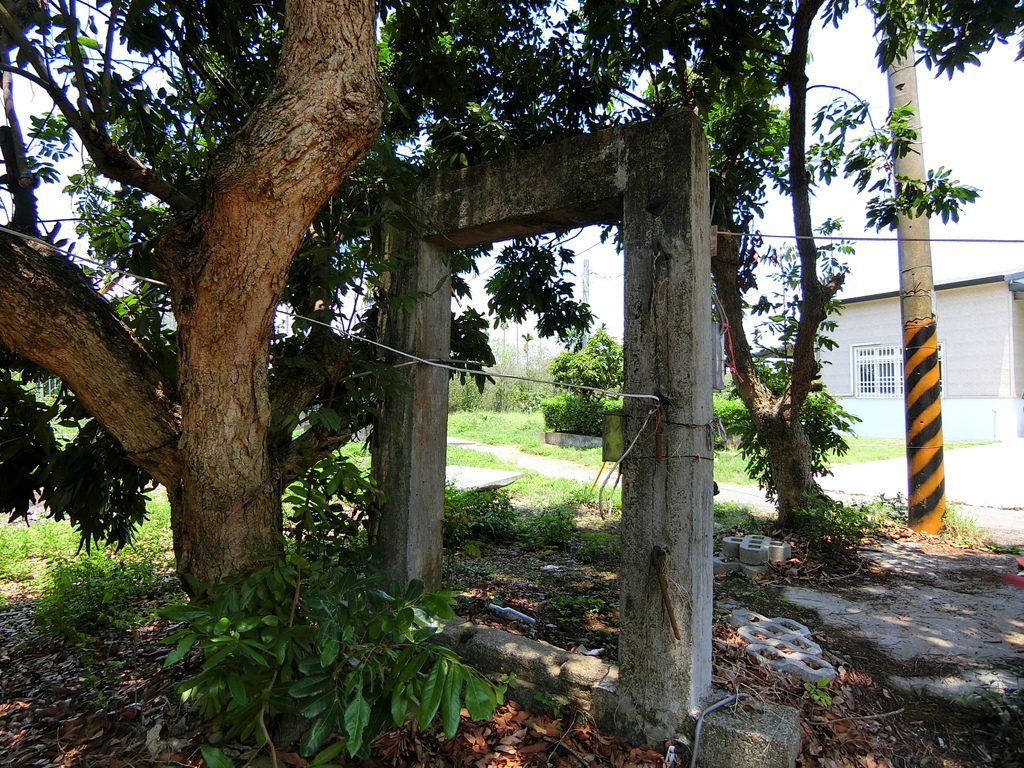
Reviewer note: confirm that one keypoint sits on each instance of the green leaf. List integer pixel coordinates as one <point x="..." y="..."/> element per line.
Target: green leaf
<point x="215" y="758"/>
<point x="451" y="701"/>
<point x="432" y="689"/>
<point x="183" y="647"/>
<point x="330" y="652"/>
<point x="319" y="731"/>
<point x="480" y="698"/>
<point x="318" y="704"/>
<point x="308" y="686"/>
<point x="88" y="42"/>
<point x="399" y="706"/>
<point x="328" y="753"/>
<point x="357" y="715"/>
<point x="237" y="688"/>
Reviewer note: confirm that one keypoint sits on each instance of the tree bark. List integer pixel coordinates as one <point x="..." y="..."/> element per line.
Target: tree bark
<point x="228" y="263"/>
<point x="226" y="259"/>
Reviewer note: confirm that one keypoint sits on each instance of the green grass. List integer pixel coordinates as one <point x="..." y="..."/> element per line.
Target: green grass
<point x="27" y="551"/>
<point x="878" y="448"/>
<point x="534" y="490"/>
<point x="518" y="429"/>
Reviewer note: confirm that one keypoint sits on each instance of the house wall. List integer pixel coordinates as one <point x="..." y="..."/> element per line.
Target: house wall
<point x="981" y="330"/>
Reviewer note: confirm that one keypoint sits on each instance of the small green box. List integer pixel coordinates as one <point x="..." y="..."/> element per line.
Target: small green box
<point x="611" y="445"/>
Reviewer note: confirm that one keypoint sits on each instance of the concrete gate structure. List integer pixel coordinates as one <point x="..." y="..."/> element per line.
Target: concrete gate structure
<point x="653" y="178"/>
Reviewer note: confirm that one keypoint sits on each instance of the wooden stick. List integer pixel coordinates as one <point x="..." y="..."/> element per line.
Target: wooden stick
<point x="658" y="559"/>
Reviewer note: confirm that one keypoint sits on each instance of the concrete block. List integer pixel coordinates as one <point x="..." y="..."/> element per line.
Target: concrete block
<point x="753" y="571"/>
<point x="722" y="565"/>
<point x="772" y="634"/>
<point x="779" y="551"/>
<point x="752" y="735"/>
<point x="753" y="553"/>
<point x="731" y="546"/>
<point x="802" y="666"/>
<point x="742" y="616"/>
<point x="793" y="626"/>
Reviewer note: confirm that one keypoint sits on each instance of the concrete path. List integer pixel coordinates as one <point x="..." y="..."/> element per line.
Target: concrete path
<point x="987" y="482"/>
<point x="983" y="476"/>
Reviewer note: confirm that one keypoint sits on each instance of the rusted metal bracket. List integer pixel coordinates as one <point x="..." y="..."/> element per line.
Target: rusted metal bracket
<point x="658" y="561"/>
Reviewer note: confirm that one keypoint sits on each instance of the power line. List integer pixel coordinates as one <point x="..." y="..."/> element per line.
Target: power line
<point x="877" y="239"/>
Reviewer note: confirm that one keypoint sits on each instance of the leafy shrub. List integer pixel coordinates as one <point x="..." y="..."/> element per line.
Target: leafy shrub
<point x="731" y="414"/>
<point x="822" y="417"/>
<point x="567" y="413"/>
<point x="600" y="548"/>
<point x="92" y="593"/>
<point x="553" y="528"/>
<point x="485" y="515"/>
<point x="335" y="646"/>
<point x="833" y="528"/>
<point x="597" y="365"/>
<point x="1006" y="714"/>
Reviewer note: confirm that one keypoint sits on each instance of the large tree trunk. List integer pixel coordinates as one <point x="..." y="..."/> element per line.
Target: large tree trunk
<point x="789" y="456"/>
<point x="226" y="259"/>
<point x="229" y="262"/>
<point x="776" y="416"/>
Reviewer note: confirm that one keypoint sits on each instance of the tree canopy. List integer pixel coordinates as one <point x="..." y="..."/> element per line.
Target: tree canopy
<point x="230" y="166"/>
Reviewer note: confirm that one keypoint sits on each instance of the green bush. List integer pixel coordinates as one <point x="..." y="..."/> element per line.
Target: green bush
<point x="553" y="528"/>
<point x="567" y="413"/>
<point x="822" y="417"/>
<point x="833" y="528"/>
<point x="88" y="594"/>
<point x="338" y="647"/>
<point x="485" y="515"/>
<point x="731" y="414"/>
<point x="597" y="365"/>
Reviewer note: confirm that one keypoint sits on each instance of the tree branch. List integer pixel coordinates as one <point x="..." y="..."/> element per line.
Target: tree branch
<point x="814" y="295"/>
<point x="111" y="160"/>
<point x="51" y="315"/>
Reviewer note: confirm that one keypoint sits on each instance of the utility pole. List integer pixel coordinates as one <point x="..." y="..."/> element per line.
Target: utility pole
<point x="921" y="392"/>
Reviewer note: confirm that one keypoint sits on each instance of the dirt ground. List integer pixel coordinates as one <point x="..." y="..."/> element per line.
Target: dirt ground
<point x="915" y="626"/>
<point x="926" y="619"/>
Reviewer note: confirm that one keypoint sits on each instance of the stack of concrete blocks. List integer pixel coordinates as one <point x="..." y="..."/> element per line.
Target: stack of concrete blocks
<point x="751" y="554"/>
<point x="782" y="644"/>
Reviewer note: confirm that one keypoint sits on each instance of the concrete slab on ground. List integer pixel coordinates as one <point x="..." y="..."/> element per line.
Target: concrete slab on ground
<point x="476" y="479"/>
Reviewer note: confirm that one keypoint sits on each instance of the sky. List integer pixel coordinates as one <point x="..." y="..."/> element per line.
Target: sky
<point x="968" y="124"/>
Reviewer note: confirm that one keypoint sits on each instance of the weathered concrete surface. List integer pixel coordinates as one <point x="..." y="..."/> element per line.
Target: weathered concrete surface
<point x="408" y="443"/>
<point x="667" y="482"/>
<point x="537" y="666"/>
<point x="653" y="177"/>
<point x="752" y="735"/>
<point x="477" y="479"/>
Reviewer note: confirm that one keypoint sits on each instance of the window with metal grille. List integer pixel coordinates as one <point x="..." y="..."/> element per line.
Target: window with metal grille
<point x="878" y="371"/>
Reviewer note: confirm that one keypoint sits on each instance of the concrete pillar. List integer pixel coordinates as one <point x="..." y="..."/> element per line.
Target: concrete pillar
<point x="667" y="478"/>
<point x="409" y="442"/>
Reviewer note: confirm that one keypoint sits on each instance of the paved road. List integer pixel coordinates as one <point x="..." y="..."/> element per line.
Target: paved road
<point x="986" y="482"/>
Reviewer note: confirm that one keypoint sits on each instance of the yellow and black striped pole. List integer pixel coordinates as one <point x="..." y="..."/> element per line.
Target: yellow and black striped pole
<point x="927" y="497"/>
<point x="922" y="397"/>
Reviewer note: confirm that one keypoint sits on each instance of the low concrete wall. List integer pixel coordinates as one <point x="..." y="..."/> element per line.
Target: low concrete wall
<point x="569" y="440"/>
<point x="755" y="735"/>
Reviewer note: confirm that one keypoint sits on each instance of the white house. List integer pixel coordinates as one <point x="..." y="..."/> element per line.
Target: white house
<point x="981" y="349"/>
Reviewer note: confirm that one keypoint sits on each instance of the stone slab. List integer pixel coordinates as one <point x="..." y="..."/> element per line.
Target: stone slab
<point x="752" y="735"/>
<point x="477" y="479"/>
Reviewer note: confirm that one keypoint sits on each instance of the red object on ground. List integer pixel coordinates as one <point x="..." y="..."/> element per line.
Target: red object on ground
<point x="1013" y="578"/>
<point x="1020" y="562"/>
